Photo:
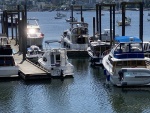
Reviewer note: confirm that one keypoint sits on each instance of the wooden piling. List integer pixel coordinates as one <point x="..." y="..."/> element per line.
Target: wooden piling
<point x="140" y="19"/>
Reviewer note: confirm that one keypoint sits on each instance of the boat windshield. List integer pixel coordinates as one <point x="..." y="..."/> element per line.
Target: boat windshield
<point x="129" y="47"/>
<point x="33" y="30"/>
<point x="6" y="61"/>
<point x="32" y="22"/>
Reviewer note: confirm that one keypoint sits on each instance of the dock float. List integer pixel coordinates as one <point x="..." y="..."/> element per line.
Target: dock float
<point x="29" y="71"/>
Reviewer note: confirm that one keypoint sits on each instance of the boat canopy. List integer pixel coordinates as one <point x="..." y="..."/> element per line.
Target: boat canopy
<point x="127" y="39"/>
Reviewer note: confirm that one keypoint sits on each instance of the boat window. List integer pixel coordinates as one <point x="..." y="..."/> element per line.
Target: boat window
<point x="96" y="48"/>
<point x="2" y="63"/>
<point x="109" y="58"/>
<point x="44" y="59"/>
<point x="81" y="40"/>
<point x="141" y="63"/>
<point x="133" y="63"/>
<point x="126" y="48"/>
<point x="74" y="31"/>
<point x="6" y="61"/>
<point x="58" y="57"/>
<point x="145" y="46"/>
<point x="57" y="60"/>
<point x="119" y="63"/>
<point x="124" y="63"/>
<point x="52" y="59"/>
<point x="136" y="47"/>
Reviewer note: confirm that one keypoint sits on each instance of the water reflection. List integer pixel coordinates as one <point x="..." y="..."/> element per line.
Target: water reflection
<point x="129" y="100"/>
<point x="85" y="93"/>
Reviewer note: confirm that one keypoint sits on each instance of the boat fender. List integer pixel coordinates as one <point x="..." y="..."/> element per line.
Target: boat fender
<point x="61" y="72"/>
<point x="107" y="75"/>
<point x="104" y="71"/>
<point x="120" y="73"/>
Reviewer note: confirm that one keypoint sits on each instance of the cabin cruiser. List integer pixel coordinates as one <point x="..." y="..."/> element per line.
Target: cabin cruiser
<point x="76" y="38"/>
<point x="34" y="34"/>
<point x="105" y="36"/>
<point x="126" y="65"/>
<point x="127" y="21"/>
<point x="97" y="47"/>
<point x="55" y="60"/>
<point x="8" y="67"/>
<point x="95" y="50"/>
<point x="34" y="53"/>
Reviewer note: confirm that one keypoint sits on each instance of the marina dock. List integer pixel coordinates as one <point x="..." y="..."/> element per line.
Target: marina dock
<point x="27" y="69"/>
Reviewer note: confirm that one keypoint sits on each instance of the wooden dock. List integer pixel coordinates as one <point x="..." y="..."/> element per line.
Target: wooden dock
<point x="27" y="69"/>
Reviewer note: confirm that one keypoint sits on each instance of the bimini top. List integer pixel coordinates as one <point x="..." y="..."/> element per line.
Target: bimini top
<point x="127" y="39"/>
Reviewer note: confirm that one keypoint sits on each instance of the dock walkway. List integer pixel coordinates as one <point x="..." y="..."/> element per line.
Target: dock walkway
<point x="28" y="70"/>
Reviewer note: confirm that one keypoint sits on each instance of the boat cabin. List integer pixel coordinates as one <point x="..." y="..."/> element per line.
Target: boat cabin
<point x="99" y="47"/>
<point x="78" y="34"/>
<point x="55" y="57"/>
<point x="128" y="47"/>
<point x="126" y="63"/>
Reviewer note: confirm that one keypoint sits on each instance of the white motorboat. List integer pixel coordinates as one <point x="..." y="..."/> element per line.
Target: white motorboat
<point x="126" y="64"/>
<point x="105" y="35"/>
<point x="57" y="17"/>
<point x="60" y="15"/>
<point x="34" y="53"/>
<point x="97" y="47"/>
<point x="127" y="21"/>
<point x="55" y="60"/>
<point x="95" y="50"/>
<point x="77" y="37"/>
<point x="34" y="34"/>
<point x="8" y="67"/>
<point x="71" y="19"/>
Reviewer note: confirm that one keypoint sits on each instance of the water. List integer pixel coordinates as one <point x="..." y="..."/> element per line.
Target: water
<point x="86" y="92"/>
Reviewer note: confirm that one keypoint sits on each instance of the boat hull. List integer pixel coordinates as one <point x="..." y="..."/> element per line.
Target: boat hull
<point x="130" y="76"/>
<point x="68" y="69"/>
<point x="9" y="71"/>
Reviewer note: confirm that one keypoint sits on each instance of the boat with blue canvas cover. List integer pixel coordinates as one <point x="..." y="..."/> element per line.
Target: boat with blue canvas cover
<point x="126" y="65"/>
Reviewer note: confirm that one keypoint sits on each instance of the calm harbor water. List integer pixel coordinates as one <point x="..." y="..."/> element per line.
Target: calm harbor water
<point x="86" y="92"/>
